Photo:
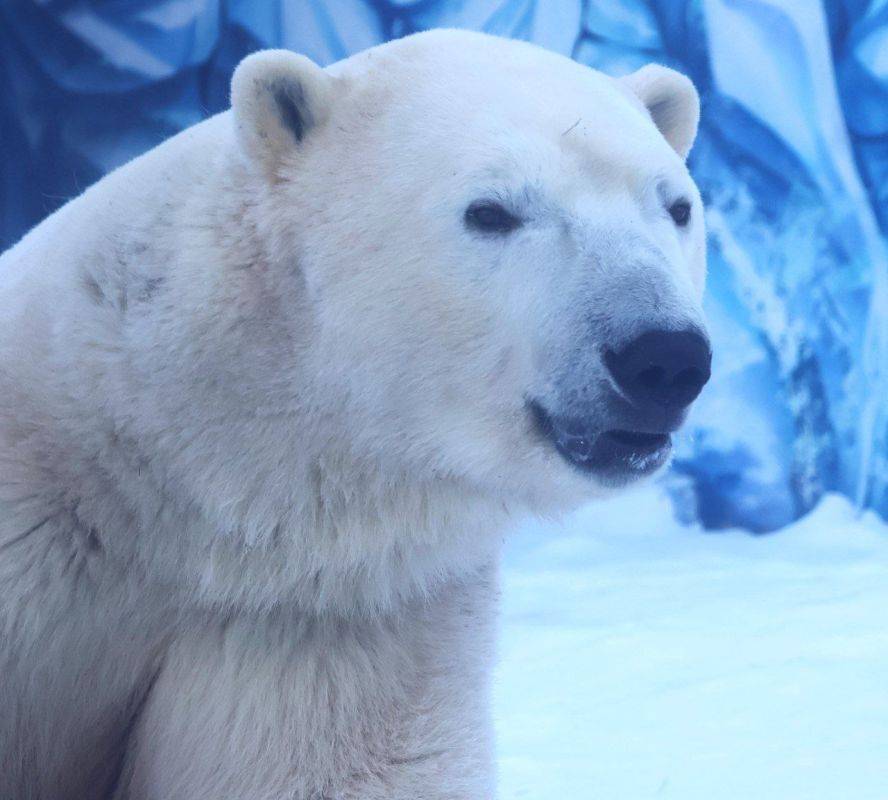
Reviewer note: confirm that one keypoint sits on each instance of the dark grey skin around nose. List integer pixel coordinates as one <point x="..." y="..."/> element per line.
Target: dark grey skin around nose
<point x="662" y="368"/>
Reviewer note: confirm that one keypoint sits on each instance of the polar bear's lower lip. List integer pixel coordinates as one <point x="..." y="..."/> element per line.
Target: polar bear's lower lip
<point x="612" y="454"/>
<point x="639" y="441"/>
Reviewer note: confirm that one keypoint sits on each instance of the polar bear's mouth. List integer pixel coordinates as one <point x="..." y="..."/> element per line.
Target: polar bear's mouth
<point x="613" y="454"/>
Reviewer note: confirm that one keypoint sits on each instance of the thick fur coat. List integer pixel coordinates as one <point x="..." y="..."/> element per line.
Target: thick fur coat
<point x="264" y="416"/>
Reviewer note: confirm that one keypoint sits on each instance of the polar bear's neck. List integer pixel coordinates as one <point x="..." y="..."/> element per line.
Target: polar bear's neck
<point x="188" y="438"/>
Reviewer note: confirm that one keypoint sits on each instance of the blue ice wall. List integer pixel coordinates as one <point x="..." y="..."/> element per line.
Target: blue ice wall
<point x="792" y="158"/>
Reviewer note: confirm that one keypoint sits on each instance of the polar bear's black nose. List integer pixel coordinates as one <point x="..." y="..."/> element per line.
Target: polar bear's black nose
<point x="663" y="368"/>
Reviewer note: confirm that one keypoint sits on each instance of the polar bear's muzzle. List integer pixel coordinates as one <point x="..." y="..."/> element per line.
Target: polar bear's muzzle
<point x="626" y="432"/>
<point x="616" y="455"/>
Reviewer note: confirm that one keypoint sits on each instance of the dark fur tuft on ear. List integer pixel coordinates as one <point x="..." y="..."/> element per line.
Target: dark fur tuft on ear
<point x="278" y="98"/>
<point x="293" y="109"/>
<point x="672" y="102"/>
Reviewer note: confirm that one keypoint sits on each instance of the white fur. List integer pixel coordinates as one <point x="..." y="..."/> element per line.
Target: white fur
<point x="263" y="422"/>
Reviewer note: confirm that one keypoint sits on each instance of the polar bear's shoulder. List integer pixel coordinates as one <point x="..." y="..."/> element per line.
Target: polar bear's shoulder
<point x="180" y="166"/>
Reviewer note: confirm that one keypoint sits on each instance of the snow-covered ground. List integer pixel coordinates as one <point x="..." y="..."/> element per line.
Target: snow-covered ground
<point x="640" y="659"/>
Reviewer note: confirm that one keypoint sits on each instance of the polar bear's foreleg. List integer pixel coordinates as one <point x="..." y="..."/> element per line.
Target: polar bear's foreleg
<point x="288" y="707"/>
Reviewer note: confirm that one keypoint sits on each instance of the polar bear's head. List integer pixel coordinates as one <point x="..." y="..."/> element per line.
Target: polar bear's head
<point x="501" y="255"/>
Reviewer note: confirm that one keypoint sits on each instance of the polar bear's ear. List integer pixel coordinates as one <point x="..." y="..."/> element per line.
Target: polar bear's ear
<point x="671" y="100"/>
<point x="278" y="98"/>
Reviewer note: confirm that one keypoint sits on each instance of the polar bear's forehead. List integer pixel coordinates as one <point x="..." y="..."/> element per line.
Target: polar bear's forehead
<point x="453" y="69"/>
<point x="451" y="87"/>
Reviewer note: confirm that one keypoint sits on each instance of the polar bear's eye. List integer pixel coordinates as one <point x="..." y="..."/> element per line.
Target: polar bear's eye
<point x="490" y="217"/>
<point x="680" y="211"/>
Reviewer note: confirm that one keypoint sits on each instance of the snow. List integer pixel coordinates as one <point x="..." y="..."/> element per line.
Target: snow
<point x="640" y="658"/>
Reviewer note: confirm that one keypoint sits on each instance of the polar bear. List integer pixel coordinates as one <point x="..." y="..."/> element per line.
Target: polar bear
<point x="271" y="394"/>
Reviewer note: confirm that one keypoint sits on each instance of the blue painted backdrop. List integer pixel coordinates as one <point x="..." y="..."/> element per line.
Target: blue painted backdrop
<point x="792" y="159"/>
